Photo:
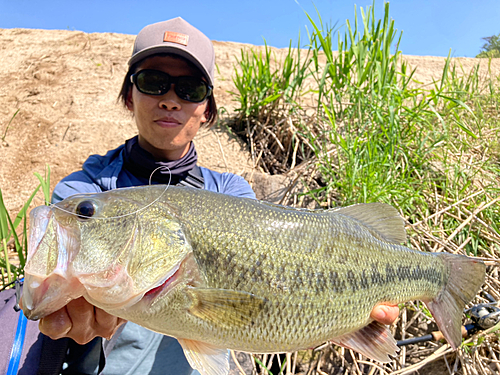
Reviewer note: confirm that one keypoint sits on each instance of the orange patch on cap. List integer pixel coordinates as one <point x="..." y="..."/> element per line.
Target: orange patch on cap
<point x="173" y="37"/>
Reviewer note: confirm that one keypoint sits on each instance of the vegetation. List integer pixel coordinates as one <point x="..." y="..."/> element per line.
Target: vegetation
<point x="346" y="118"/>
<point x="491" y="49"/>
<point x="14" y="241"/>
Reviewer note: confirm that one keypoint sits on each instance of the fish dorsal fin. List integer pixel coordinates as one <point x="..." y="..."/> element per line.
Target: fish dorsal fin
<point x="225" y="307"/>
<point x="374" y="341"/>
<point x="379" y="217"/>
<point x="207" y="359"/>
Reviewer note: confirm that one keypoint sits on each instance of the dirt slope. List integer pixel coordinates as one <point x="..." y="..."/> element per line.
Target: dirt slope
<point x="64" y="85"/>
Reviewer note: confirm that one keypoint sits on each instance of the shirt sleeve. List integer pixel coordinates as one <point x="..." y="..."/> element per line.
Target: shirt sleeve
<point x="76" y="183"/>
<point x="227" y="183"/>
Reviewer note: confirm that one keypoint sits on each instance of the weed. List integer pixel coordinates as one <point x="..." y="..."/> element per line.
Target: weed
<point x="10" y="237"/>
<point x="8" y="125"/>
<point x="377" y="134"/>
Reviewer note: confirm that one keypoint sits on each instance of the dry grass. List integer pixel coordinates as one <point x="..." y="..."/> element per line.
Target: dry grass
<point x="364" y="134"/>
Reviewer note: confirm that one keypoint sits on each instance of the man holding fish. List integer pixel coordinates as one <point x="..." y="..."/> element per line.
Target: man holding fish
<point x="169" y="90"/>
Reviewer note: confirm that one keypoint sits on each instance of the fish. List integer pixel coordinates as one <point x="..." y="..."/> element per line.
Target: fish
<point x="219" y="272"/>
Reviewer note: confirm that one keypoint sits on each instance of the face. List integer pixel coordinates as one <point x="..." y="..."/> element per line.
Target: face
<point x="166" y="123"/>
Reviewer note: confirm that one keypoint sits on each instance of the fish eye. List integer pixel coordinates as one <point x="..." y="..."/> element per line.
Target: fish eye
<point x="85" y="209"/>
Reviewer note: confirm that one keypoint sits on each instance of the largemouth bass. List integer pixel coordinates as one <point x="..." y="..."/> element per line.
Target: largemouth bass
<point x="219" y="272"/>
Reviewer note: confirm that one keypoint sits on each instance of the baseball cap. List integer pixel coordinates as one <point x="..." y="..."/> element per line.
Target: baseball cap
<point x="178" y="37"/>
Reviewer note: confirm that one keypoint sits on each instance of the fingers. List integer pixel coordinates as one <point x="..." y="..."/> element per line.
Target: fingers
<point x="56" y="325"/>
<point x="385" y="314"/>
<point x="106" y="324"/>
<point x="80" y="321"/>
<point x="82" y="316"/>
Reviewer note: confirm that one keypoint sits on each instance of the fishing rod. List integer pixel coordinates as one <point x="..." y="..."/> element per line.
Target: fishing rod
<point x="483" y="316"/>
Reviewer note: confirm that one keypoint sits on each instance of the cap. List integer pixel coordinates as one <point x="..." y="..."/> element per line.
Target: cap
<point x="178" y="37"/>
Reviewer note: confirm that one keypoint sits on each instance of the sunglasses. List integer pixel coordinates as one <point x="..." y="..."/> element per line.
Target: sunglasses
<point x="155" y="82"/>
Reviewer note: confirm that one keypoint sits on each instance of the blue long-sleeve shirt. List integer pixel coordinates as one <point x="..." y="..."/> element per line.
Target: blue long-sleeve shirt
<point x="101" y="173"/>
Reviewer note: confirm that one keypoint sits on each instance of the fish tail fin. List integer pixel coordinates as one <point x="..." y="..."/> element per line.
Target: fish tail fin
<point x="466" y="275"/>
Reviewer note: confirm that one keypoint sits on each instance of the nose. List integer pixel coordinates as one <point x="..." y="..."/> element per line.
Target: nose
<point x="170" y="101"/>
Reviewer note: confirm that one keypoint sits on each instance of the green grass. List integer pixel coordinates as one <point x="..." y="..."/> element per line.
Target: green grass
<point x="12" y="236"/>
<point x="376" y="134"/>
<point x="8" y="125"/>
<point x="267" y="94"/>
<point x="346" y="117"/>
<point x="360" y="128"/>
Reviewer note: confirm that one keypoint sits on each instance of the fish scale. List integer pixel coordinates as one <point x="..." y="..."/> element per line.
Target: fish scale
<point x="278" y="285"/>
<point x="220" y="272"/>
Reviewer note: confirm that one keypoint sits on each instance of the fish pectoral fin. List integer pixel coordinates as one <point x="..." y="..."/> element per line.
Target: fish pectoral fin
<point x="206" y="358"/>
<point x="381" y="218"/>
<point x="225" y="307"/>
<point x="374" y="341"/>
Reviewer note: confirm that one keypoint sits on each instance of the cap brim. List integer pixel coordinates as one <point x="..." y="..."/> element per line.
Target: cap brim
<point x="154" y="50"/>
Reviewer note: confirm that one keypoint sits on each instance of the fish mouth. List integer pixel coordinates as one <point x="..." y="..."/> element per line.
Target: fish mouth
<point x="164" y="286"/>
<point x="43" y="296"/>
<point x="48" y="285"/>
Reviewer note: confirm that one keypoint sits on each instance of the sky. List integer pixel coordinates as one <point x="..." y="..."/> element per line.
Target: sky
<point x="430" y="27"/>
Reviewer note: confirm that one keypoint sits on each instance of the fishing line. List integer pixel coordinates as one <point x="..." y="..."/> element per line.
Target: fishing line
<point x="162" y="167"/>
<point x="124" y="215"/>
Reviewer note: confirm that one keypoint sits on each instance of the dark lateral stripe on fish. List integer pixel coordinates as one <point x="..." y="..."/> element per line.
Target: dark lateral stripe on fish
<point x="352" y="280"/>
<point x="367" y="279"/>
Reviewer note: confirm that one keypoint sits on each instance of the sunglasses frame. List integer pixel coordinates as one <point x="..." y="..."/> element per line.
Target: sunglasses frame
<point x="171" y="80"/>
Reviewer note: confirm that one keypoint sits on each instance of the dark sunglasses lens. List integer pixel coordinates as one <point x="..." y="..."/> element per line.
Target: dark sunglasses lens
<point x="152" y="82"/>
<point x="191" y="89"/>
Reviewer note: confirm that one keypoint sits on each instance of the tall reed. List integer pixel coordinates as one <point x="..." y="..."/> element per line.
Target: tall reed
<point x="376" y="133"/>
<point x="363" y="129"/>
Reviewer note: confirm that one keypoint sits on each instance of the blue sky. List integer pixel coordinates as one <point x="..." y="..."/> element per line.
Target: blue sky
<point x="430" y="27"/>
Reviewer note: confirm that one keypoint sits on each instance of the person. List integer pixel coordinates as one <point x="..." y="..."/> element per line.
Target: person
<point x="169" y="91"/>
